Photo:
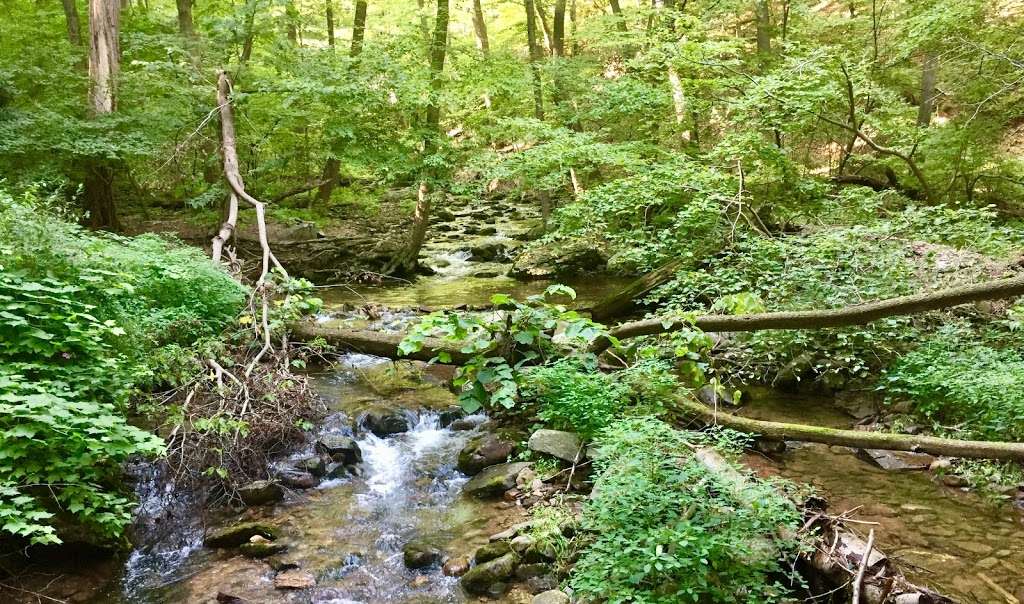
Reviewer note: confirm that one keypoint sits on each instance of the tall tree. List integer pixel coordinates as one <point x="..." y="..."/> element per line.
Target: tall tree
<point x="535" y="57"/>
<point x="409" y="260"/>
<point x="929" y="75"/>
<point x="330" y="23"/>
<point x="480" y="28"/>
<point x="185" y="25"/>
<point x="291" y="16"/>
<point x="620" y="21"/>
<point x="545" y="26"/>
<point x="558" y="31"/>
<point x="104" y="65"/>
<point x="249" y="35"/>
<point x="762" y="21"/>
<point x="71" y="18"/>
<point x="358" y="28"/>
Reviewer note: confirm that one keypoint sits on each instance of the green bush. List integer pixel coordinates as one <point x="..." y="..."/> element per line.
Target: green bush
<point x="664" y="530"/>
<point x="88" y="320"/>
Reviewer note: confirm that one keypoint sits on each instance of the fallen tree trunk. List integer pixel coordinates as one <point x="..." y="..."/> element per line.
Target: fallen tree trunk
<point x="859" y="314"/>
<point x="839" y="553"/>
<point x="975" y="449"/>
<point x="622" y="301"/>
<point x="377" y="343"/>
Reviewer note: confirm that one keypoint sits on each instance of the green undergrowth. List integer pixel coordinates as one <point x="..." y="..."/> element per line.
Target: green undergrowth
<point x="660" y="528"/>
<point x="89" y="320"/>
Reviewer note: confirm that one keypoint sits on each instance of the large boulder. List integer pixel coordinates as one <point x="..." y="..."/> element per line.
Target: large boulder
<point x="494" y="480"/>
<point x="259" y="547"/>
<point x="260" y="492"/>
<point x="481" y="578"/>
<point x="559" y="259"/>
<point x="551" y="597"/>
<point x="566" y="446"/>
<point x="237" y="534"/>
<point x="314" y="464"/>
<point x="489" y="251"/>
<point x="483" y="451"/>
<point x="340" y="448"/>
<point x="490" y="551"/>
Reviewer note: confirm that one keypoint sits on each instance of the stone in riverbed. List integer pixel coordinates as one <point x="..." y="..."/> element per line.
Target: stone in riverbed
<point x="480" y="578"/>
<point x="491" y="551"/>
<point x="260" y="492"/>
<point x="294" y="579"/>
<point x="483" y="451"/>
<point x="298" y="479"/>
<point x="419" y="554"/>
<point x="313" y="464"/>
<point x="563" y="445"/>
<point x="259" y="547"/>
<point x="495" y="480"/>
<point x="340" y="448"/>
<point x="450" y="415"/>
<point x="490" y="251"/>
<point x="456" y="567"/>
<point x="541" y="583"/>
<point x="896" y="461"/>
<point x="386" y="423"/>
<point x="551" y="597"/>
<point x="235" y="535"/>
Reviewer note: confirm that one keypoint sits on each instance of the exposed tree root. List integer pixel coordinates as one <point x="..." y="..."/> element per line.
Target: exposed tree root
<point x="852" y="438"/>
<point x="858" y="314"/>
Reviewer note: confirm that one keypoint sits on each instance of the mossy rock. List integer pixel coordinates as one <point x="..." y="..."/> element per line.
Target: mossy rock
<point x="261" y="549"/>
<point x="237" y="534"/>
<point x="480" y="578"/>
<point x="491" y="551"/>
<point x="495" y="480"/>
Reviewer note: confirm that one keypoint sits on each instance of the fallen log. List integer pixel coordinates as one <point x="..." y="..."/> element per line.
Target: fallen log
<point x="622" y="301"/>
<point x="975" y="449"/>
<point x="858" y="314"/>
<point x="839" y="553"/>
<point x="377" y="343"/>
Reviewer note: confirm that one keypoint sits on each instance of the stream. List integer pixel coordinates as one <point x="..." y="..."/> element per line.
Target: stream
<point x="348" y="533"/>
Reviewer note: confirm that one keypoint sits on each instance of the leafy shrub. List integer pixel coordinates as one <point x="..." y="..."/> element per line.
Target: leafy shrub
<point x="964" y="388"/>
<point x="87" y="320"/>
<point x="664" y="530"/>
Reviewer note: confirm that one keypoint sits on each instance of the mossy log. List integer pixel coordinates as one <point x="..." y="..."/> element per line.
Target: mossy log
<point x="858" y="314"/>
<point x="975" y="449"/>
<point x="378" y="343"/>
<point x="622" y="301"/>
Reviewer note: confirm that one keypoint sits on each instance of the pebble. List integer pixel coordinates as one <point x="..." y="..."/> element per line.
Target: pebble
<point x="975" y="548"/>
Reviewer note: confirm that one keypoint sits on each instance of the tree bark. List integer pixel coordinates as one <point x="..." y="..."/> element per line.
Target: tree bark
<point x="620" y="20"/>
<point x="408" y="261"/>
<point x="377" y="343"/>
<point x="329" y="10"/>
<point x="535" y="56"/>
<point x="104" y="66"/>
<point x="291" y="15"/>
<point x="358" y="28"/>
<point x="480" y="28"/>
<point x="332" y="167"/>
<point x="852" y="438"/>
<point x="250" y="35"/>
<point x="71" y="19"/>
<point x="542" y="17"/>
<point x="623" y="301"/>
<point x="762" y="20"/>
<point x="558" y="31"/>
<point x="185" y="25"/>
<point x="859" y="314"/>
<point x="929" y="74"/>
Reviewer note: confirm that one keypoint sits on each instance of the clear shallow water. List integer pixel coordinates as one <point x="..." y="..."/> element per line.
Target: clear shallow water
<point x="952" y="541"/>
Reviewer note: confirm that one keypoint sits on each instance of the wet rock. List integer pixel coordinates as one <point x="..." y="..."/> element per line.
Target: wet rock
<point x="294" y="579"/>
<point x="511" y="531"/>
<point x="979" y="549"/>
<point x="566" y="446"/>
<point x="223" y="598"/>
<point x="483" y="451"/>
<point x="857" y="405"/>
<point x="488" y="230"/>
<point x="491" y="551"/>
<point x="450" y="415"/>
<point x="495" y="480"/>
<point x="298" y="480"/>
<point x="467" y="423"/>
<point x="259" y="547"/>
<point x="419" y="554"/>
<point x="337" y="470"/>
<point x="443" y="215"/>
<point x="313" y="464"/>
<point x="489" y="251"/>
<point x="769" y="446"/>
<point x="480" y="578"/>
<point x="954" y="481"/>
<point x="456" y="567"/>
<point x="386" y="423"/>
<point x="896" y="461"/>
<point x="340" y="448"/>
<point x="280" y="564"/>
<point x="486" y="274"/>
<point x="541" y="583"/>
<point x="235" y="535"/>
<point x="551" y="597"/>
<point x="559" y="260"/>
<point x="261" y="492"/>
<point x="522" y="543"/>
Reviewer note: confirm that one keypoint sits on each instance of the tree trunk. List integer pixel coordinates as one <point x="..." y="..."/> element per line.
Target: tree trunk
<point x="575" y="48"/>
<point x="623" y="301"/>
<point x="762" y="20"/>
<point x="408" y="261"/>
<point x="71" y="18"/>
<point x="330" y="178"/>
<point x="377" y="343"/>
<point x="535" y="56"/>
<point x="620" y="20"/>
<point x="358" y="28"/>
<point x="859" y="314"/>
<point x="480" y="28"/>
<point x="104" y="65"/>
<point x="329" y="9"/>
<point x="185" y="26"/>
<point x="929" y="74"/>
<point x="544" y="25"/>
<point x="291" y="15"/>
<point x="974" y="449"/>
<point x="250" y="35"/>
<point x="98" y="193"/>
<point x="559" y="29"/>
